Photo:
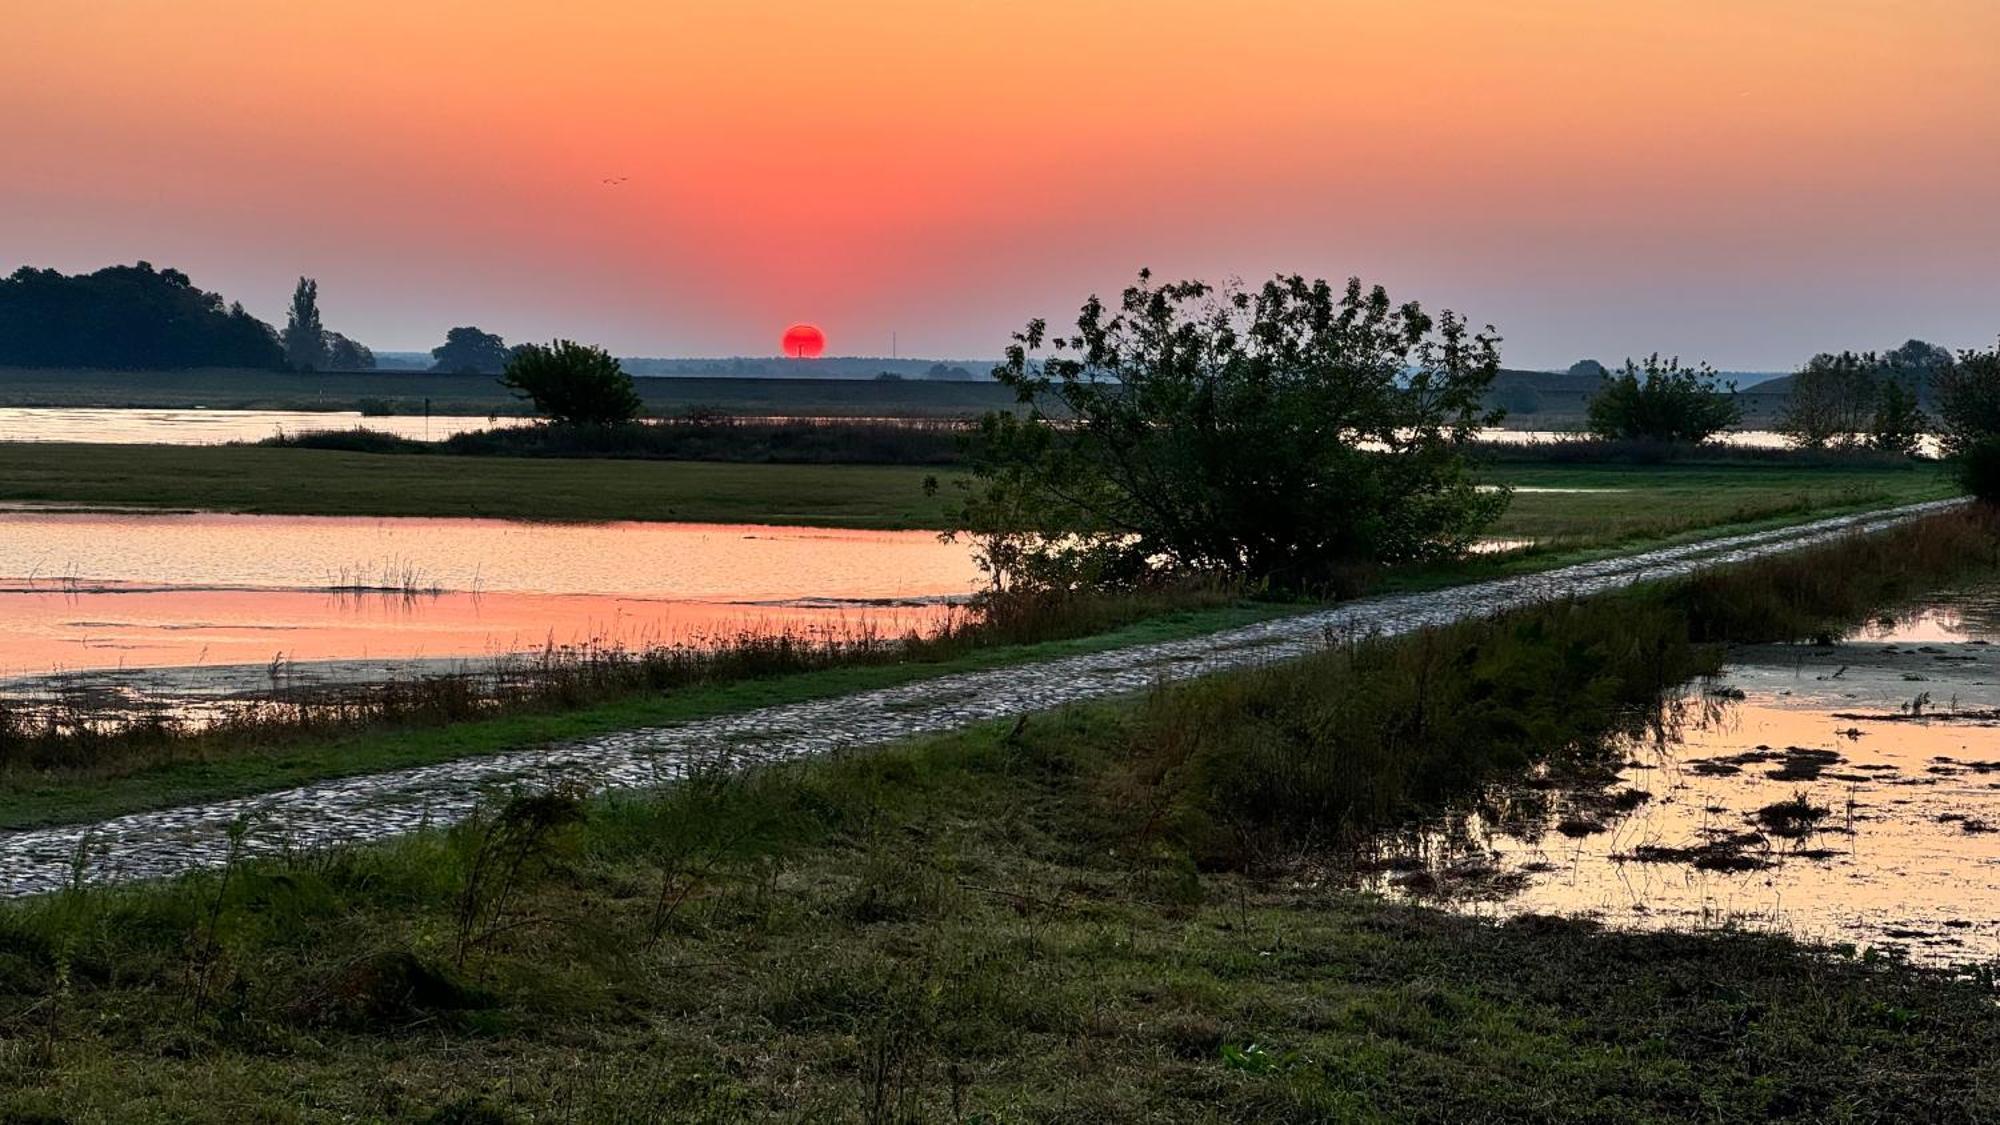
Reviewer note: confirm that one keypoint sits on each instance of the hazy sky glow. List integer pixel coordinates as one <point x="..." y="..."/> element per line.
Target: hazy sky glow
<point x="1744" y="181"/>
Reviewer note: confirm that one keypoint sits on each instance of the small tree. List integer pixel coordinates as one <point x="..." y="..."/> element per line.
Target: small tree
<point x="1279" y="436"/>
<point x="1898" y="425"/>
<point x="1968" y="400"/>
<point x="1832" y="401"/>
<point x="572" y="383"/>
<point x="304" y="336"/>
<point x="469" y="351"/>
<point x="1663" y="401"/>
<point x="1591" y="368"/>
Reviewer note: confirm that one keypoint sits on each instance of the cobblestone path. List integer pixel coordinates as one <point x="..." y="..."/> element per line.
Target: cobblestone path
<point x="356" y="809"/>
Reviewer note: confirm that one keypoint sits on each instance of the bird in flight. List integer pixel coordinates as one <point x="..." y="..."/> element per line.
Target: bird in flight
<point x="614" y="181"/>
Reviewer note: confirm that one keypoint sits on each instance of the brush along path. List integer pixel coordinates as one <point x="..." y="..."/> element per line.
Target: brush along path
<point x="358" y="809"/>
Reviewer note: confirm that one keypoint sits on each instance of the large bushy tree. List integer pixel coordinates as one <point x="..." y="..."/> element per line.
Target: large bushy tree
<point x="126" y="317"/>
<point x="469" y="351"/>
<point x="1281" y="435"/>
<point x="573" y="384"/>
<point x="1663" y="401"/>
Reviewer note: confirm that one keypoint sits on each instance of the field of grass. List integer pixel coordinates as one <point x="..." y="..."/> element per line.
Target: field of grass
<point x="1625" y="503"/>
<point x="1643" y="505"/>
<point x="404" y="392"/>
<point x="318" y="482"/>
<point x="1014" y="923"/>
<point x="1632" y="502"/>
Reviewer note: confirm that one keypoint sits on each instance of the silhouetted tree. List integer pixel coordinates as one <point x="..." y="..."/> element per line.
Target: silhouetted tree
<point x="126" y="317"/>
<point x="1832" y="400"/>
<point x="572" y="383"/>
<point x="947" y="372"/>
<point x="343" y="354"/>
<point x="1663" y="401"/>
<point x="305" y="336"/>
<point x="1898" y="425"/>
<point x="468" y="351"/>
<point x="1282" y="435"/>
<point x="1590" y="367"/>
<point x="1968" y="400"/>
<point x="1918" y="355"/>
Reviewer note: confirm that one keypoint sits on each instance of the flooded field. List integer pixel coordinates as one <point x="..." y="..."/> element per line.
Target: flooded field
<point x="212" y="427"/>
<point x="1845" y="793"/>
<point x="103" y="591"/>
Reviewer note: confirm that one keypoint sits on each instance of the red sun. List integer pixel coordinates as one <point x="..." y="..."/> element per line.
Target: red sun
<point x="804" y="341"/>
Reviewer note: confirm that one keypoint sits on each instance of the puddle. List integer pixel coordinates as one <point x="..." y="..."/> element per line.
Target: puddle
<point x="1844" y="793"/>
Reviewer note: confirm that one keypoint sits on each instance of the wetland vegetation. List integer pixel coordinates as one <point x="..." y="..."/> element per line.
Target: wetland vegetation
<point x="1083" y="914"/>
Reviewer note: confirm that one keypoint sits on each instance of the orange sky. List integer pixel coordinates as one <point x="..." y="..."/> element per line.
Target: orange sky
<point x="1740" y="180"/>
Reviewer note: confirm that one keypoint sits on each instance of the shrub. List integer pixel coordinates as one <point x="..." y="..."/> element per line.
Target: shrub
<point x="1670" y="403"/>
<point x="1832" y="400"/>
<point x="1898" y="425"/>
<point x="1278" y="436"/>
<point x="1968" y="400"/>
<point x="573" y="383"/>
<point x="1979" y="468"/>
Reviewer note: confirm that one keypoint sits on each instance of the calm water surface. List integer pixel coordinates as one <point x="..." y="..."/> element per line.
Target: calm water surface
<point x="1850" y="795"/>
<point x="210" y="427"/>
<point x="110" y="590"/>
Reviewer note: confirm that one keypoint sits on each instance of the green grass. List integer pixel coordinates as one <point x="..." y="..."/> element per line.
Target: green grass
<point x="1652" y="502"/>
<point x="1659" y="505"/>
<point x="32" y="799"/>
<point x="985" y="926"/>
<point x="406" y="392"/>
<point x="317" y="482"/>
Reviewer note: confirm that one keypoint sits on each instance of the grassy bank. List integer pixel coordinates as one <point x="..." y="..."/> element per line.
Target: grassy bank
<point x="73" y="775"/>
<point x="1635" y="502"/>
<point x="702" y="437"/>
<point x="1061" y="920"/>
<point x="406" y="392"/>
<point x="315" y="482"/>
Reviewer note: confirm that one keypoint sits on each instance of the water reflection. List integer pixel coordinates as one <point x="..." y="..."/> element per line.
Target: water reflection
<point x="106" y="590"/>
<point x="119" y="426"/>
<point x="1847" y="793"/>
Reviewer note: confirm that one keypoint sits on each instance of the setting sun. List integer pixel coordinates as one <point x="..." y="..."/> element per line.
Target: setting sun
<point x="804" y="341"/>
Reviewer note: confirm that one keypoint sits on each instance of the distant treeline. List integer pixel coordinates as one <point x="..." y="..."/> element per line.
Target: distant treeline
<point x="127" y="318"/>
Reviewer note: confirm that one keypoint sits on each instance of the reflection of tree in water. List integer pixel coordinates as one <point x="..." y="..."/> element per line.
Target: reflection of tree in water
<point x="1972" y="612"/>
<point x="1458" y="851"/>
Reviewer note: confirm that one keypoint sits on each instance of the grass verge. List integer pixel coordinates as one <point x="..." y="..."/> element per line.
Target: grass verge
<point x="1015" y="922"/>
